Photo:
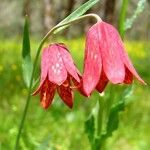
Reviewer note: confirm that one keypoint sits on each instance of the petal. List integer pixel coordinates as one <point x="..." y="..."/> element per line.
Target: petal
<point x="129" y="64"/>
<point x="123" y="54"/>
<point x="66" y="94"/>
<point x="102" y="82"/>
<point x="44" y="65"/>
<point x="68" y="62"/>
<point x="125" y="58"/>
<point x="57" y="72"/>
<point x="92" y="62"/>
<point x="79" y="86"/>
<point x="47" y="93"/>
<point x="110" y="50"/>
<point x="39" y="87"/>
<point x="128" y="77"/>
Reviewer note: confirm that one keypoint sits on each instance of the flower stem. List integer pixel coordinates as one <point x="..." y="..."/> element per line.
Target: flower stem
<point x="100" y="123"/>
<point x="28" y="98"/>
<point x="98" y="19"/>
<point x="100" y="116"/>
<point x="35" y="65"/>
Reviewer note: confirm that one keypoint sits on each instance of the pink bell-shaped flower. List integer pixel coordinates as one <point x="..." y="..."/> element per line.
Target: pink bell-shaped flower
<point x="105" y="59"/>
<point x="57" y="71"/>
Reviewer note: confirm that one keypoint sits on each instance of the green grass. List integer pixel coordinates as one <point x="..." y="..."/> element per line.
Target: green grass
<point x="60" y="128"/>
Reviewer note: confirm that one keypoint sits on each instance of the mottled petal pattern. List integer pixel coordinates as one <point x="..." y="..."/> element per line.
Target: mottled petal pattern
<point x="44" y="65"/>
<point x="57" y="72"/>
<point x="68" y="62"/>
<point x="92" y="62"/>
<point x="112" y="61"/>
<point x="123" y="54"/>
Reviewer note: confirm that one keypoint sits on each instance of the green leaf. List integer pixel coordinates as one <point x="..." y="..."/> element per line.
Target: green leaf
<point x="122" y="17"/>
<point x="27" y="65"/>
<point x="90" y="128"/>
<point x="113" y="119"/>
<point x="140" y="7"/>
<point x="77" y="13"/>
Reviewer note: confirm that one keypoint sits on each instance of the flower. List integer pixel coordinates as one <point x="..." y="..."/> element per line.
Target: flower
<point x="105" y="59"/>
<point x="57" y="72"/>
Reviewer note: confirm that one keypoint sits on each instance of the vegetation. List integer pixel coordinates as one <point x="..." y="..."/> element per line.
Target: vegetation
<point x="58" y="127"/>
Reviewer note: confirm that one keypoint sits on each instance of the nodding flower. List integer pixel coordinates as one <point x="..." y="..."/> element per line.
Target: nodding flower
<point x="57" y="72"/>
<point x="105" y="59"/>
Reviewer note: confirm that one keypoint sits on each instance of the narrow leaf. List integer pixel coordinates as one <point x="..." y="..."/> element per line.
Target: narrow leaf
<point x="122" y="17"/>
<point x="140" y="7"/>
<point x="26" y="64"/>
<point x="90" y="128"/>
<point x="77" y="13"/>
<point x="113" y="119"/>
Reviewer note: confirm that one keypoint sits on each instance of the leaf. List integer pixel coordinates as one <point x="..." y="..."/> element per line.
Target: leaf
<point x="77" y="13"/>
<point x="113" y="119"/>
<point x="122" y="17"/>
<point x="140" y="7"/>
<point x="27" y="65"/>
<point x="36" y="82"/>
<point x="90" y="128"/>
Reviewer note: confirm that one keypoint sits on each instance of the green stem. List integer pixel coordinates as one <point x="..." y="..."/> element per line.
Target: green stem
<point x="123" y="17"/>
<point x="34" y="68"/>
<point x="100" y="116"/>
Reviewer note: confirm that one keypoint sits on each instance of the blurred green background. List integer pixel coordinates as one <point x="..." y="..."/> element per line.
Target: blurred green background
<point x="60" y="128"/>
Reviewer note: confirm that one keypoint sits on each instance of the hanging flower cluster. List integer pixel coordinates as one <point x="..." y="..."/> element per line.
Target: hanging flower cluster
<point x="105" y="61"/>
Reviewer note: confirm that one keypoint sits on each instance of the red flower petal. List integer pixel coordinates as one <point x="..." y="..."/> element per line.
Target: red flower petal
<point x="128" y="77"/>
<point x="56" y="70"/>
<point x="68" y="62"/>
<point x="129" y="65"/>
<point x="47" y="93"/>
<point x="92" y="62"/>
<point x="110" y="50"/>
<point x="125" y="58"/>
<point x="79" y="85"/>
<point x="66" y="94"/>
<point x="102" y="82"/>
